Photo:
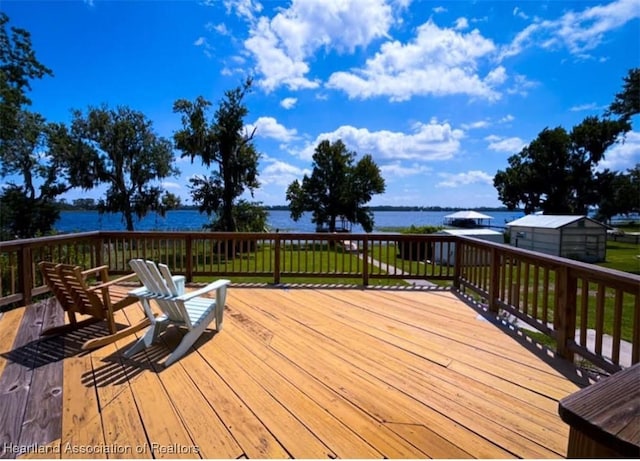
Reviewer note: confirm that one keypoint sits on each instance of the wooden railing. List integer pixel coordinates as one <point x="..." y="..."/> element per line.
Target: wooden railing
<point x="580" y="306"/>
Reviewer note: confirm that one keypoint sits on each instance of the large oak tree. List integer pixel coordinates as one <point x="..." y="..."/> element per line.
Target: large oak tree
<point x="337" y="187"/>
<point x="119" y="148"/>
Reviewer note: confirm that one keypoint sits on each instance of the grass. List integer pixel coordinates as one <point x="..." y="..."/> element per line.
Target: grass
<point x="623" y="257"/>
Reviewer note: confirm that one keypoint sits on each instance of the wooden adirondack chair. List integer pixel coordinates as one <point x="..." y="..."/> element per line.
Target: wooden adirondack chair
<point x="69" y="285"/>
<point x="187" y="310"/>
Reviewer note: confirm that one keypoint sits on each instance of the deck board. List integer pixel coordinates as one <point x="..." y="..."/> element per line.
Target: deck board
<point x="303" y="373"/>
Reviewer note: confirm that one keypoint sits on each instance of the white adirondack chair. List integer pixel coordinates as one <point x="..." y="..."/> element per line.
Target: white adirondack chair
<point x="188" y="310"/>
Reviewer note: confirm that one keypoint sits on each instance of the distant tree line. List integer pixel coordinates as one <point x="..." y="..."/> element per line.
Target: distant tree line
<point x="558" y="172"/>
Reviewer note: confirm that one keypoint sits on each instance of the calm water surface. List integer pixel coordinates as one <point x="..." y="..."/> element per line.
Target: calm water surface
<point x="181" y="220"/>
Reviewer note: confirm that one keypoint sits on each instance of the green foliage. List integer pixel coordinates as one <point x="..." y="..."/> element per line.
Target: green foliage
<point x="248" y="217"/>
<point x="22" y="216"/>
<point x="556" y="172"/>
<point x="118" y="147"/>
<point x="27" y="209"/>
<point x="18" y="66"/>
<point x="224" y="145"/>
<point x="413" y="229"/>
<point x="619" y="193"/>
<point x="336" y="188"/>
<point x="627" y="102"/>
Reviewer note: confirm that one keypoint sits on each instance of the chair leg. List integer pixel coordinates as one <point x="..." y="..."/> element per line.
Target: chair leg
<point x="144" y="342"/>
<point x="187" y="341"/>
<point x="219" y="316"/>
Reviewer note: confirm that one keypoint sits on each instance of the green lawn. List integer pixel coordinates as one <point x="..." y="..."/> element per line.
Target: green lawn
<point x="623" y="257"/>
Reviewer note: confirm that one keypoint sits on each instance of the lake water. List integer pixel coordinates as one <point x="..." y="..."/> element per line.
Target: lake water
<point x="182" y="220"/>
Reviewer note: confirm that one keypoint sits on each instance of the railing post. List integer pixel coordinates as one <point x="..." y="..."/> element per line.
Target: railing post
<point x="365" y="261"/>
<point x="189" y="262"/>
<point x="276" y="260"/>
<point x="26" y="274"/>
<point x="457" y="269"/>
<point x="494" y="280"/>
<point x="565" y="317"/>
<point x="98" y="249"/>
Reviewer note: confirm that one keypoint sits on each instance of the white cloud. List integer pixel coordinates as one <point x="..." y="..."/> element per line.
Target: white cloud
<point x="281" y="45"/>
<point x="171" y="185"/>
<point x="585" y="30"/>
<point x="583" y="107"/>
<point x="219" y="28"/>
<point x="396" y="170"/>
<point x="623" y="155"/>
<point x="510" y="145"/>
<point x="461" y="24"/>
<point x="463" y="179"/>
<point x="281" y="173"/>
<point x="475" y="125"/>
<point x="579" y="32"/>
<point x="506" y="119"/>
<point x="268" y="127"/>
<point x="288" y="103"/>
<point x="521" y="85"/>
<point x="246" y="9"/>
<point x="518" y="12"/>
<point x="439" y="9"/>
<point x="273" y="63"/>
<point x="426" y="142"/>
<point x="206" y="48"/>
<point x="437" y="61"/>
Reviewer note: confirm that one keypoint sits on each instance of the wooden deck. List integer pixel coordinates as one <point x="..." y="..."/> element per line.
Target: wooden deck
<point x="304" y="373"/>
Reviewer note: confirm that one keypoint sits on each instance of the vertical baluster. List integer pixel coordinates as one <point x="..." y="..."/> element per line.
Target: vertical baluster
<point x="584" y="311"/>
<point x="617" y="326"/>
<point x="536" y="287"/>
<point x="545" y="295"/>
<point x="525" y="300"/>
<point x="600" y="307"/>
<point x="635" y="340"/>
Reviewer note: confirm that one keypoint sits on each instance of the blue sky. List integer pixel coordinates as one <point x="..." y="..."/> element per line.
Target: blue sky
<point x="441" y="93"/>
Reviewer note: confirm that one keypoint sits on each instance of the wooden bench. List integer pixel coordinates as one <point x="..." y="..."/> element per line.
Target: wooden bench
<point x="605" y="417"/>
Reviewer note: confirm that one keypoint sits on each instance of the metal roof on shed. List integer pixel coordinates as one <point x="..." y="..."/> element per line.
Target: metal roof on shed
<point x="547" y="221"/>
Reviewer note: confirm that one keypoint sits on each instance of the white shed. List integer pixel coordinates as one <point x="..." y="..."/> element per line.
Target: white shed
<point x="575" y="237"/>
<point x="445" y="252"/>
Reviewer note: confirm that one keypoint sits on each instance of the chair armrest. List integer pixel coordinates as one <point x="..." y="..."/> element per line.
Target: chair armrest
<point x="138" y="292"/>
<point x="94" y="270"/>
<point x="212" y="286"/>
<point x="111" y="282"/>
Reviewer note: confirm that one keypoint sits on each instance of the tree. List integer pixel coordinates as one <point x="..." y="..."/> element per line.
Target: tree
<point x="336" y="188"/>
<point x="118" y="147"/>
<point x="224" y="145"/>
<point x="556" y="172"/>
<point x="26" y="210"/>
<point x="18" y="66"/>
<point x="619" y="193"/>
<point x="627" y="102"/>
<point x="34" y="155"/>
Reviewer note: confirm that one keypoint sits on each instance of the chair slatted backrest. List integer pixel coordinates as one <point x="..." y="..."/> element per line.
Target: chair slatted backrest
<point x="158" y="287"/>
<point x="71" y="290"/>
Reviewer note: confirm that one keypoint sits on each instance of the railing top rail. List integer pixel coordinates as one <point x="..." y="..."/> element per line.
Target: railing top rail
<point x="584" y="268"/>
<point x="39" y="241"/>
<point x="553" y="261"/>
